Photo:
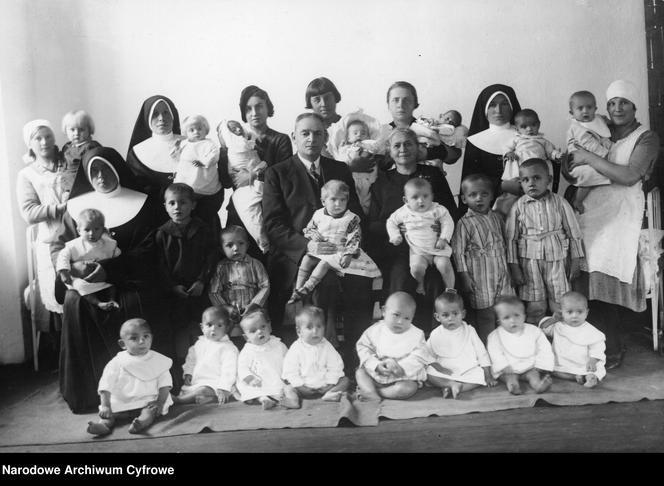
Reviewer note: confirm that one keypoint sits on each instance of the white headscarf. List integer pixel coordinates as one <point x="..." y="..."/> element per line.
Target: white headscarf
<point x="622" y="88"/>
<point x="29" y="130"/>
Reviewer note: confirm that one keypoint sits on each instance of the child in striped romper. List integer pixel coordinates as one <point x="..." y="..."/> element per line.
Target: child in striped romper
<point x="541" y="232"/>
<point x="478" y="248"/>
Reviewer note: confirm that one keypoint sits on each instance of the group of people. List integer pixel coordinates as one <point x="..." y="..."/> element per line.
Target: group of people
<point x="357" y="213"/>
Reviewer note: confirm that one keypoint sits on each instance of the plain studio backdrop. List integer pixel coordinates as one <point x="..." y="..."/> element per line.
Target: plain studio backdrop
<point x="107" y="56"/>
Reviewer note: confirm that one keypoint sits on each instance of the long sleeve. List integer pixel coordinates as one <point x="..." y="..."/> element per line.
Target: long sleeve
<point x="210" y="154"/>
<point x="353" y="237"/>
<point x="311" y="226"/>
<point x="597" y="350"/>
<point x="217" y="284"/>
<point x="480" y="350"/>
<point x="64" y="259"/>
<point x="110" y="375"/>
<point x="166" y="279"/>
<point x="498" y="359"/>
<point x="544" y="358"/>
<point x="392" y="224"/>
<point x="572" y="230"/>
<point x="446" y="224"/>
<point x="334" y="366"/>
<point x="418" y="358"/>
<point x="32" y="209"/>
<point x="510" y="147"/>
<point x="276" y="214"/>
<point x="459" y="243"/>
<point x="291" y="367"/>
<point x="512" y="234"/>
<point x="190" y="361"/>
<point x="229" y="367"/>
<point x="263" y="283"/>
<point x="366" y="351"/>
<point x="243" y="364"/>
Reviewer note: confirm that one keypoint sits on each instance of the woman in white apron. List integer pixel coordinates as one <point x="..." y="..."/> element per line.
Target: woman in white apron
<point x="612" y="219"/>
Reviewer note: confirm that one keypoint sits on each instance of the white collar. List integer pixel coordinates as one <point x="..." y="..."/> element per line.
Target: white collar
<point x="118" y="206"/>
<point x="596" y="125"/>
<point x="307" y="164"/>
<point x="494" y="139"/>
<point x="155" y="152"/>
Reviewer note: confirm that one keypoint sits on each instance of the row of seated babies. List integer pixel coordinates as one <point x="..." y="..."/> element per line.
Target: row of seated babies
<point x="395" y="359"/>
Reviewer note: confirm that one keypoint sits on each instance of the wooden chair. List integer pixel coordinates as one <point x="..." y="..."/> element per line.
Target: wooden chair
<point x="656" y="294"/>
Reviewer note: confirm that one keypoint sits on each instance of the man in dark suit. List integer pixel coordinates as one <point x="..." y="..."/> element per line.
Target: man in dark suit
<point x="291" y="195"/>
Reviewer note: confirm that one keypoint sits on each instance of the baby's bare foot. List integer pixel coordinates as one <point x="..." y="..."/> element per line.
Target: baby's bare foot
<point x="446" y="391"/>
<point x="514" y="388"/>
<point x="367" y="396"/>
<point x="332" y="396"/>
<point x="136" y="426"/>
<point x="108" y="306"/>
<point x="267" y="403"/>
<point x="456" y="390"/>
<point x="580" y="379"/>
<point x="97" y="428"/>
<point x="591" y="381"/>
<point x="544" y="384"/>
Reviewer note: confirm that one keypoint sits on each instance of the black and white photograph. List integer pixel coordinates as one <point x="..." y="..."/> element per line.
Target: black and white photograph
<point x="329" y="226"/>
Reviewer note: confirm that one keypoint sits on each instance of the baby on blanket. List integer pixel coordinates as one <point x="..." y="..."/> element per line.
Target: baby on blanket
<point x="246" y="170"/>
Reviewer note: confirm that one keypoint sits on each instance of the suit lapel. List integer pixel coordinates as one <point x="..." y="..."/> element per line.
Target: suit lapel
<point x="301" y="183"/>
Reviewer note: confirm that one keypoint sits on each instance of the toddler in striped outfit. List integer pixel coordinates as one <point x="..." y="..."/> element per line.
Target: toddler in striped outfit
<point x="478" y="248"/>
<point x="541" y="232"/>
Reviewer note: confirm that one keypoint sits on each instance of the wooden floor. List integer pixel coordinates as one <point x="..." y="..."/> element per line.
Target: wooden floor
<point x="614" y="427"/>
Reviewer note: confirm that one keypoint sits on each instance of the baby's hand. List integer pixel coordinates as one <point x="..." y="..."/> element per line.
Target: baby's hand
<point x="383" y="368"/>
<point x="223" y="396"/>
<point x="592" y="364"/>
<point x="65" y="276"/>
<point x="314" y="235"/>
<point x="180" y="291"/>
<point x="187" y="380"/>
<point x="397" y="370"/>
<point x="397" y="240"/>
<point x="510" y="157"/>
<point x="196" y="289"/>
<point x="197" y="163"/>
<point x="105" y="411"/>
<point x="344" y="261"/>
<point x="441" y="244"/>
<point x="488" y="377"/>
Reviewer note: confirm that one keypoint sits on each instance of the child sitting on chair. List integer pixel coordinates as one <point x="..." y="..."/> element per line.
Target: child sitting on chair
<point x="461" y="360"/>
<point x="417" y="217"/>
<point x="393" y="353"/>
<point x="210" y="369"/>
<point x="519" y="351"/>
<point x="577" y="345"/>
<point x="75" y="262"/>
<point x="260" y="364"/>
<point x="312" y="365"/>
<point x="333" y="223"/>
<point x="136" y="383"/>
<point x="246" y="171"/>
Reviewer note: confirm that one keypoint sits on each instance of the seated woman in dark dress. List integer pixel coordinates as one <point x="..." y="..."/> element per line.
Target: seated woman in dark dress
<point x="387" y="197"/>
<point x="89" y="334"/>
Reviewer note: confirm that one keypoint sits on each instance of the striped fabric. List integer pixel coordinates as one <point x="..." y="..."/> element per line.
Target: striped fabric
<point x="542" y="229"/>
<point x="544" y="280"/>
<point x="479" y="249"/>
<point x="239" y="283"/>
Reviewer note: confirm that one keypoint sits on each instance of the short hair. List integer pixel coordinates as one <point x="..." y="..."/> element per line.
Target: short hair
<point x="80" y="117"/>
<point x="314" y="313"/>
<point x="401" y="295"/>
<point x="218" y="311"/>
<point x="137" y="321"/>
<point x="91" y="215"/>
<point x="471" y="178"/>
<point x="190" y="120"/>
<point x="318" y="87"/>
<point x="456" y="113"/>
<point x="309" y="114"/>
<point x="509" y="300"/>
<point x="180" y="189"/>
<point x="235" y="230"/>
<point x="249" y="92"/>
<point x="405" y="131"/>
<point x="534" y="162"/>
<point x="527" y="113"/>
<point x="334" y="186"/>
<point x="417" y="183"/>
<point x="581" y="94"/>
<point x="253" y="309"/>
<point x="406" y="85"/>
<point x="573" y="295"/>
<point x="450" y="296"/>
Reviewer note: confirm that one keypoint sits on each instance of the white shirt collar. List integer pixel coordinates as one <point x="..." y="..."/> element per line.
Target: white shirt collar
<point x="307" y="164"/>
